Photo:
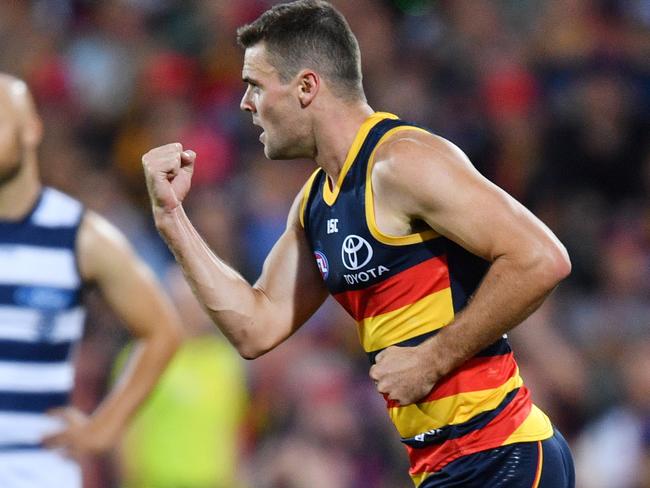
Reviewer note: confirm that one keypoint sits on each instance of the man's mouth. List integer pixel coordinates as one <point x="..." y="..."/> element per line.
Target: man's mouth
<point x="260" y="126"/>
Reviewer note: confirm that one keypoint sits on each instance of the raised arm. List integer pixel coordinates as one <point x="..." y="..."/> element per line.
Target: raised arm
<point x="254" y="318"/>
<point x="107" y="260"/>
<point x="424" y="177"/>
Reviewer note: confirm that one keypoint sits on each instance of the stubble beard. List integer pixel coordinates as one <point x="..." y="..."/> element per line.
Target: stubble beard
<point x="11" y="172"/>
<point x="284" y="152"/>
<point x="16" y="155"/>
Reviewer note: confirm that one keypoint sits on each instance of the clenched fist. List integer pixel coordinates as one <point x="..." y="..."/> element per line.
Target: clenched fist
<point x="403" y="374"/>
<point x="168" y="172"/>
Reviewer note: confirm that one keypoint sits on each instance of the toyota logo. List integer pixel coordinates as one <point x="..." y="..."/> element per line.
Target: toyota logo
<point x="355" y="252"/>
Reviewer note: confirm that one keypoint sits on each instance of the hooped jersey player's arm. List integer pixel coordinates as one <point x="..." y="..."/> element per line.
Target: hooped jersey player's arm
<point x="107" y="260"/>
<point x="257" y="318"/>
<point x="418" y="176"/>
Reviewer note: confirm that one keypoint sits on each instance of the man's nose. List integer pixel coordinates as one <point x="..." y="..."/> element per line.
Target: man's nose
<point x="246" y="104"/>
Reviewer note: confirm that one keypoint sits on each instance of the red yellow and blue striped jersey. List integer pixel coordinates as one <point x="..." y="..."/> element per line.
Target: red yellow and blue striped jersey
<point x="402" y="290"/>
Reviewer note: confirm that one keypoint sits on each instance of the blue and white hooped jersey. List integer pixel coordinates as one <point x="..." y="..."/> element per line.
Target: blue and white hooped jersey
<point x="41" y="317"/>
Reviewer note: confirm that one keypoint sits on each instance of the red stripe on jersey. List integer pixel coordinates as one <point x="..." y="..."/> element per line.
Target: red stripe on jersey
<point x="400" y="290"/>
<point x="494" y="434"/>
<point x="482" y="373"/>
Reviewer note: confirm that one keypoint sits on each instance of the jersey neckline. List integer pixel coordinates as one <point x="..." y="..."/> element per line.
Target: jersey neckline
<point x="330" y="195"/>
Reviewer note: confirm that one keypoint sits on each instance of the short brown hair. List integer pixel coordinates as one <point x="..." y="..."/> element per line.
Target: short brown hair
<point x="309" y="34"/>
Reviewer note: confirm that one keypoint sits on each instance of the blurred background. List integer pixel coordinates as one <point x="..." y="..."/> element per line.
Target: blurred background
<point x="549" y="98"/>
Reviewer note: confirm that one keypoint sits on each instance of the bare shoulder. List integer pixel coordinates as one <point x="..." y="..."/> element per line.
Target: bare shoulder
<point x="100" y="245"/>
<point x="97" y="233"/>
<point x="294" y="217"/>
<point x="414" y="167"/>
<point x="408" y="153"/>
<point x="296" y="212"/>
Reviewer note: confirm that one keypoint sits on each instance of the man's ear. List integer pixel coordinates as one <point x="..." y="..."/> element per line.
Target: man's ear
<point x="309" y="84"/>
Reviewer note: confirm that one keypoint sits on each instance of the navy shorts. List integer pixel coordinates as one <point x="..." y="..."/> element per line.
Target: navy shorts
<point x="545" y="464"/>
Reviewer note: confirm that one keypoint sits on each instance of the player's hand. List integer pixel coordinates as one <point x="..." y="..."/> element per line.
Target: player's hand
<point x="403" y="374"/>
<point x="79" y="436"/>
<point x="168" y="173"/>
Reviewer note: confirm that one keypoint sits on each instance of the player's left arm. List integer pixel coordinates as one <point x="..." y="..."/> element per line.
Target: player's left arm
<point x="420" y="176"/>
<point x="130" y="289"/>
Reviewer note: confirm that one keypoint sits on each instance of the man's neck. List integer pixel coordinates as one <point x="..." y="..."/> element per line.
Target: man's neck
<point x="335" y="134"/>
<point x="18" y="195"/>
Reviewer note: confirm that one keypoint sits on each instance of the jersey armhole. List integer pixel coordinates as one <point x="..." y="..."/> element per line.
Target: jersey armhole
<point x="414" y="238"/>
<point x="305" y="196"/>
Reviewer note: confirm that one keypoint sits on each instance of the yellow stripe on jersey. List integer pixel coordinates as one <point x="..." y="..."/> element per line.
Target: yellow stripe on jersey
<point x="420" y="477"/>
<point x="329" y="195"/>
<point x="537" y="426"/>
<point x="305" y="196"/>
<point x="429" y="313"/>
<point x="414" y="419"/>
<point x="370" y="203"/>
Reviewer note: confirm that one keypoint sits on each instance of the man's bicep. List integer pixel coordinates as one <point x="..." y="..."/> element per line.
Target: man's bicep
<point x="479" y="216"/>
<point x="439" y="185"/>
<point x="290" y="280"/>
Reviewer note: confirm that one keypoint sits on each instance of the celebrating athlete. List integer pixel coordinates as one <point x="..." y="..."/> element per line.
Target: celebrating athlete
<point x="433" y="261"/>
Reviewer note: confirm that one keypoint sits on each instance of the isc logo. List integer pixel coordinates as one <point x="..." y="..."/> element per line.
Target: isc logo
<point x="332" y="226"/>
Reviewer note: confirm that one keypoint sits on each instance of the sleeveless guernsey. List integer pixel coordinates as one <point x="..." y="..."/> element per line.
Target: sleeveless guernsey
<point x="401" y="291"/>
<point x="41" y="318"/>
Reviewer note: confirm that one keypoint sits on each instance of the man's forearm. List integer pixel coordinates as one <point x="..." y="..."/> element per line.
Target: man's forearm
<point x="226" y="296"/>
<point x="508" y="294"/>
<point x="147" y="362"/>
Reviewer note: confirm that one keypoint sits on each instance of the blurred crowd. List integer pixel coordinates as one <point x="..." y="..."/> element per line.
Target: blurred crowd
<point x="549" y="98"/>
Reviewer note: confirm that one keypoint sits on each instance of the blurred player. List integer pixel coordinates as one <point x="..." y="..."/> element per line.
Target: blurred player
<point x="401" y="229"/>
<point x="50" y="247"/>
